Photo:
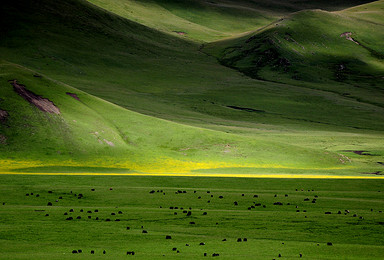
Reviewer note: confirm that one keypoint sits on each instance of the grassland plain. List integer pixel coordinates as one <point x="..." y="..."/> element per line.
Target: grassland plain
<point x="32" y="229"/>
<point x="74" y="46"/>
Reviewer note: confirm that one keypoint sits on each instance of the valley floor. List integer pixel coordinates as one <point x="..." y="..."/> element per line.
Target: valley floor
<point x="62" y="217"/>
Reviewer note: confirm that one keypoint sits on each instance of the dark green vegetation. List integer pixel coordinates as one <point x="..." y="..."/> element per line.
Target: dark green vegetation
<point x="297" y="226"/>
<point x="312" y="125"/>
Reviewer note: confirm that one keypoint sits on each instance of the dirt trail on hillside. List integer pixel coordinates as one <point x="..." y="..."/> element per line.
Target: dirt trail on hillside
<point x="43" y="104"/>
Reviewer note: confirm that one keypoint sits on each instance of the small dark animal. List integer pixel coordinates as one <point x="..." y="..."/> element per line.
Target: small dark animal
<point x="74" y="251"/>
<point x="202" y="244"/>
<point x="104" y="250"/>
<point x="168" y="237"/>
<point x="145" y="232"/>
<point x="215" y="254"/>
<point x="329" y="244"/>
<point x="49" y="204"/>
<point x="174" y="249"/>
<point x="80" y="251"/>
<point x="239" y="240"/>
<point x="130" y="253"/>
<point x="205" y="213"/>
<point x="92" y="252"/>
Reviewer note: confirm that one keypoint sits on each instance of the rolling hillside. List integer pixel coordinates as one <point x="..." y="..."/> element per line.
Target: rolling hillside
<point x="339" y="52"/>
<point x="202" y="20"/>
<point x="194" y="114"/>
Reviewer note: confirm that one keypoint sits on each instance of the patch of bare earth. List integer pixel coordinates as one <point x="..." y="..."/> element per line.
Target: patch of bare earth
<point x="73" y="95"/>
<point x="3" y="139"/>
<point x="348" y="36"/>
<point x="41" y="103"/>
<point x="109" y="142"/>
<point x="180" y="32"/>
<point x="3" y="115"/>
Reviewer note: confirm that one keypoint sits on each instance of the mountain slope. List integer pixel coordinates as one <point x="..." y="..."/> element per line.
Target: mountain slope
<point x="259" y="126"/>
<point x="340" y="52"/>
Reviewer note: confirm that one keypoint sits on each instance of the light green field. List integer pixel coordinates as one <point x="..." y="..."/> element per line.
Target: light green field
<point x="270" y="231"/>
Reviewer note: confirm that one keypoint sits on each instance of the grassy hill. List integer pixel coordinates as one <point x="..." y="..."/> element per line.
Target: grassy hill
<point x="340" y="52"/>
<point x="238" y="122"/>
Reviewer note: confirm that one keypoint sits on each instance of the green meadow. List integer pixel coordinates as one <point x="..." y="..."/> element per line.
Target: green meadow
<point x="185" y="97"/>
<point x="32" y="229"/>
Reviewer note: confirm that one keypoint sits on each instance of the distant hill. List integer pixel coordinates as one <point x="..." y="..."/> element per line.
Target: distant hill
<point x="206" y="20"/>
<point x="327" y="50"/>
